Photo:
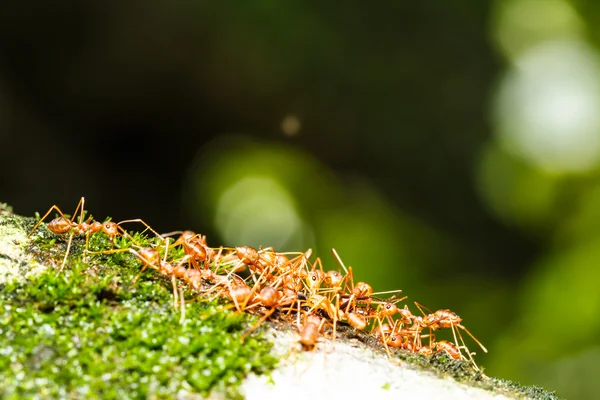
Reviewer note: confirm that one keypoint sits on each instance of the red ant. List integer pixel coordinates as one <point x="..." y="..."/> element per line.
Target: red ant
<point x="62" y="225"/>
<point x="310" y="331"/>
<point x="447" y="319"/>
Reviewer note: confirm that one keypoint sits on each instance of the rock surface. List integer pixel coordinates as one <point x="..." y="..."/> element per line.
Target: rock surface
<point x="350" y="370"/>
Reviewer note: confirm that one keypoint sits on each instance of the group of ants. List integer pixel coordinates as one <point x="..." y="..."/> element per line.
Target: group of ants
<point x="263" y="281"/>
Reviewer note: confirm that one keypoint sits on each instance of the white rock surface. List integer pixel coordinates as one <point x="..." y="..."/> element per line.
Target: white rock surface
<point x="352" y="371"/>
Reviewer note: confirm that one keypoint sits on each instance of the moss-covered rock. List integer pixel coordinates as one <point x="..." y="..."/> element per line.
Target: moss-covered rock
<point x="93" y="330"/>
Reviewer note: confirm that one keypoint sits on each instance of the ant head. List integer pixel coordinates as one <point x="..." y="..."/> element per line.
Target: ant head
<point x="314" y="278"/>
<point x="389" y="309"/>
<point x="334" y="278"/>
<point x="111" y="229"/>
<point x="394" y="341"/>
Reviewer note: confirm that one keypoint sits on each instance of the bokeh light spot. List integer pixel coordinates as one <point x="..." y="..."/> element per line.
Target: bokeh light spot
<point x="546" y="109"/>
<point x="521" y="24"/>
<point x="291" y="125"/>
<point x="257" y="210"/>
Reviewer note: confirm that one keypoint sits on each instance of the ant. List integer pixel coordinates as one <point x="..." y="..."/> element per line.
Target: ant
<point x="63" y="225"/>
<point x="196" y="248"/>
<point x="150" y="257"/>
<point x="362" y="291"/>
<point x="447" y="319"/>
<point x="310" y="331"/>
<point x="442" y="346"/>
<point x="386" y="310"/>
<point x="271" y="298"/>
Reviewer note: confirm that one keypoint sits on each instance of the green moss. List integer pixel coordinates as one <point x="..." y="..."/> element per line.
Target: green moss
<point x="92" y="332"/>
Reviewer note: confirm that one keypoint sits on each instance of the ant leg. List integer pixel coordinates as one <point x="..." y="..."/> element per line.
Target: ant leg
<point x="143" y="223"/>
<point x="319" y="263"/>
<point x="349" y="277"/>
<point x="256" y="284"/>
<point x="170" y="233"/>
<point x="416" y="335"/>
<point x="388" y="292"/>
<point x="473" y="337"/>
<point x="301" y="261"/>
<point x="316" y="305"/>
<point x="381" y="334"/>
<point x="237" y="306"/>
<point x="464" y="346"/>
<point x="54" y="207"/>
<point x="298" y="315"/>
<point x="174" y="284"/>
<point x="141" y="258"/>
<point x="420" y="307"/>
<point x="260" y="321"/>
<point x="62" y="266"/>
<point x="337" y="257"/>
<point x="173" y="280"/>
<point x="81" y="204"/>
<point x="111" y="251"/>
<point x="387" y="349"/>
<point x="430" y="336"/>
<point x="335" y="318"/>
<point x="220" y="279"/>
<point x="182" y="305"/>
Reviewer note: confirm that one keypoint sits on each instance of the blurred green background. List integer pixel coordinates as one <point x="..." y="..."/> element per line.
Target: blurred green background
<point x="447" y="148"/>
